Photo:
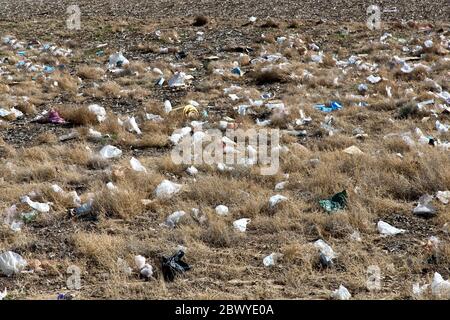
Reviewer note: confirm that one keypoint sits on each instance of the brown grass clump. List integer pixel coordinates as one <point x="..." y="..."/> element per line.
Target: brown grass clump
<point x="200" y="21"/>
<point x="91" y="73"/>
<point x="78" y="115"/>
<point x="122" y="203"/>
<point x="270" y="23"/>
<point x="111" y="89"/>
<point x="273" y="75"/>
<point x="101" y="249"/>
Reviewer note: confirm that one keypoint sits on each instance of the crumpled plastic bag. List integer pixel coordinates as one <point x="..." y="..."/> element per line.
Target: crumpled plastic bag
<point x="136" y="165"/>
<point x="341" y="294"/>
<point x="131" y="125"/>
<point x="221" y="210"/>
<point x="11" y="263"/>
<point x="109" y="152"/>
<point x="335" y="203"/>
<point x="38" y="206"/>
<point x="443" y="196"/>
<point x="424" y="208"/>
<point x="55" y="118"/>
<point x="332" y="106"/>
<point x="173" y="265"/>
<point x="386" y="229"/>
<point x="327" y="255"/>
<point x="241" y="224"/>
<point x="99" y="111"/>
<point x="3" y="294"/>
<point x="145" y="269"/>
<point x="166" y="189"/>
<point x="271" y="259"/>
<point x="117" y="60"/>
<point x="173" y="219"/>
<point x="440" y="287"/>
<point x="276" y="199"/>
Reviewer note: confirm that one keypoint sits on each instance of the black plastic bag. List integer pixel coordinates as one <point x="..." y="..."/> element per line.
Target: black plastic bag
<point x="173" y="265"/>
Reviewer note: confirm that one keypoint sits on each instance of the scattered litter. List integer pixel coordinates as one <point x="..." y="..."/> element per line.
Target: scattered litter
<point x="136" y="165"/>
<point x="174" y="265"/>
<point x="173" y="219"/>
<point x="145" y="270"/>
<point x="11" y="263"/>
<point x="99" y="111"/>
<point x="117" y="60"/>
<point x="341" y="294"/>
<point x="222" y="210"/>
<point x="424" y="208"/>
<point x="109" y="152"/>
<point x="335" y="203"/>
<point x="440" y="288"/>
<point x="386" y="229"/>
<point x="271" y="259"/>
<point x="166" y="189"/>
<point x="41" y="207"/>
<point x="3" y="294"/>
<point x="241" y="224"/>
<point x="276" y="199"/>
<point x="327" y="255"/>
<point x="332" y="106"/>
<point x="443" y="196"/>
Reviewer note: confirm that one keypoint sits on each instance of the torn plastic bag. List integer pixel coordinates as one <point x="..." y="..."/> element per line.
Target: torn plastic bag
<point x="55" y="118"/>
<point x="166" y="189"/>
<point x="173" y="265"/>
<point x="109" y="152"/>
<point x="332" y="106"/>
<point x="424" y="208"/>
<point x="11" y="263"/>
<point x="341" y="294"/>
<point x="335" y="203"/>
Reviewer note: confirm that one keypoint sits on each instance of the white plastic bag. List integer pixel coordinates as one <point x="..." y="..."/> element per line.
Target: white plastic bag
<point x="11" y="263"/>
<point x="136" y="165"/>
<point x="222" y="210"/>
<point x="99" y="111"/>
<point x="241" y="224"/>
<point x="166" y="189"/>
<point x="341" y="294"/>
<point x="173" y="219"/>
<point x="38" y="206"/>
<point x="439" y="287"/>
<point x="276" y="199"/>
<point x="388" y="230"/>
<point x="109" y="152"/>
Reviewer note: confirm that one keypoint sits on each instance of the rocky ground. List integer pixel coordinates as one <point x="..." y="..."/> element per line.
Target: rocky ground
<point x="392" y="84"/>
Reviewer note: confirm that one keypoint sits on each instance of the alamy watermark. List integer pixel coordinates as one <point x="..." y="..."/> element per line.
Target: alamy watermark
<point x="237" y="147"/>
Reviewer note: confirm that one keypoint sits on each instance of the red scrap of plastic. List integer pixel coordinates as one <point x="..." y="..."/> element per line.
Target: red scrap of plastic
<point x="54" y="117"/>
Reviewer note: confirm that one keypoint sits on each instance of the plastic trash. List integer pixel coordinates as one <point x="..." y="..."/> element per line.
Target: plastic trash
<point x="373" y="79"/>
<point x="327" y="255"/>
<point x="190" y="111"/>
<point x="442" y="128"/>
<point x="109" y="152"/>
<point x="117" y="60"/>
<point x="192" y="170"/>
<point x="111" y="186"/>
<point x="131" y="125"/>
<point x="178" y="134"/>
<point x="11" y="263"/>
<point x="173" y="219"/>
<point x="439" y="287"/>
<point x="241" y="224"/>
<point x="271" y="259"/>
<point x="419" y="290"/>
<point x="386" y="229"/>
<point x="136" y="165"/>
<point x="167" y="106"/>
<point x="99" y="111"/>
<point x="166" y="189"/>
<point x="341" y="294"/>
<point x="178" y="80"/>
<point x="145" y="269"/>
<point x="332" y="106"/>
<point x="424" y="208"/>
<point x="443" y="196"/>
<point x="3" y="294"/>
<point x="237" y="71"/>
<point x="174" y="265"/>
<point x="276" y="199"/>
<point x="221" y="210"/>
<point x="280" y="185"/>
<point x="41" y="207"/>
<point x="55" y="118"/>
<point x="335" y="203"/>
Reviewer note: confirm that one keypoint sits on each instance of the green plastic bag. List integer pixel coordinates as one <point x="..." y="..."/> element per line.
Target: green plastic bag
<point x="335" y="203"/>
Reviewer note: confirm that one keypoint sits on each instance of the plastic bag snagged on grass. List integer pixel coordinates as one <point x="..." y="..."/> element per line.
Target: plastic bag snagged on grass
<point x="424" y="208"/>
<point x="109" y="152"/>
<point x="117" y="60"/>
<point x="3" y="294"/>
<point x="332" y="106"/>
<point x="173" y="265"/>
<point x="11" y="263"/>
<point x="341" y="294"/>
<point x="386" y="229"/>
<point x="335" y="203"/>
<point x="166" y="189"/>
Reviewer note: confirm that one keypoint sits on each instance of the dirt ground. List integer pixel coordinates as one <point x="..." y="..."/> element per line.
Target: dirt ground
<point x="384" y="182"/>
